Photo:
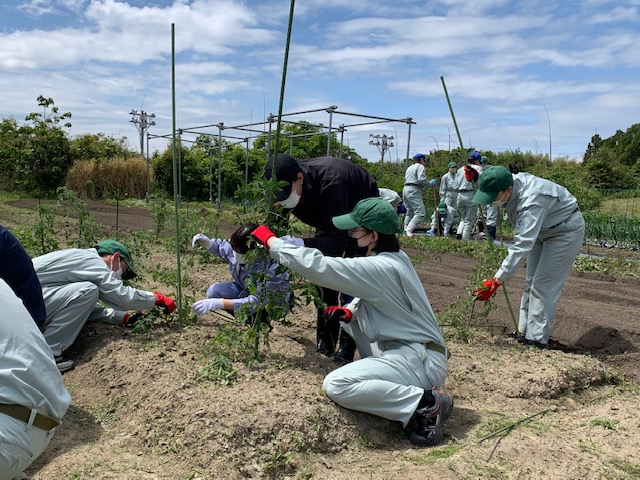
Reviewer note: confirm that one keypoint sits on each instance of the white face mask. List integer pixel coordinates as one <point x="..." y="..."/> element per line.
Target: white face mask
<point x="292" y="200"/>
<point x="117" y="273"/>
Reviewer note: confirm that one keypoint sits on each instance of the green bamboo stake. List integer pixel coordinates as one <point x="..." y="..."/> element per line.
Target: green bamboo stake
<point x="455" y="124"/>
<point x="175" y="169"/>
<point x="482" y="219"/>
<point x="513" y="316"/>
<point x="284" y="79"/>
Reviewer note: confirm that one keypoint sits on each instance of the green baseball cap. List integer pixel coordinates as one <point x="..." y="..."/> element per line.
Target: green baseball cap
<point x="452" y="164"/>
<point x="373" y="213"/>
<point x="109" y="247"/>
<point x="442" y="207"/>
<point x="493" y="180"/>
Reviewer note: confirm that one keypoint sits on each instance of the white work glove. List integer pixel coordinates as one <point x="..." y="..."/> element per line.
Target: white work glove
<point x="202" y="240"/>
<point x="295" y="241"/>
<point x="207" y="305"/>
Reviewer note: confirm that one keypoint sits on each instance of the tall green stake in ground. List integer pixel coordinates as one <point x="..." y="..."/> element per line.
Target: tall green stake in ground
<point x="455" y="124"/>
<point x="175" y="170"/>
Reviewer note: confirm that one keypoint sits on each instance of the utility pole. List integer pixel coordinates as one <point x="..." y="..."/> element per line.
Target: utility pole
<point x="383" y="142"/>
<point x="142" y="121"/>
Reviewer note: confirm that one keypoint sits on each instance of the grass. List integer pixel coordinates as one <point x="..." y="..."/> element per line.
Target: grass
<point x="604" y="423"/>
<point x="626" y="206"/>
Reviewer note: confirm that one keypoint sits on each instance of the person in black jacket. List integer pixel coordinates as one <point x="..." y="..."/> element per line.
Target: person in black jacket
<point x="319" y="189"/>
<point x="17" y="270"/>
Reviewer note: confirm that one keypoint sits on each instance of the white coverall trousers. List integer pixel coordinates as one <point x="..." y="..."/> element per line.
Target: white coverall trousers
<point x="548" y="266"/>
<point x="389" y="383"/>
<point x="68" y="309"/>
<point x="412" y="198"/>
<point x="20" y="444"/>
<point x="468" y="213"/>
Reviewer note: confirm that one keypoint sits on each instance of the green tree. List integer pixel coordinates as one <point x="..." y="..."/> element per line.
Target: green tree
<point x="98" y="147"/>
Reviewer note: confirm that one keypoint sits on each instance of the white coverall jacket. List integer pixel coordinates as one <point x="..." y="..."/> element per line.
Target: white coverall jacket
<point x="549" y="230"/>
<point x="392" y="323"/>
<point x="29" y="378"/>
<point x="415" y="179"/>
<point x="73" y="281"/>
<point x="468" y="209"/>
<point x="448" y="193"/>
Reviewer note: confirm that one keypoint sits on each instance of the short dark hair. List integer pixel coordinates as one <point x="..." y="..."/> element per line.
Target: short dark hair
<point x="240" y="238"/>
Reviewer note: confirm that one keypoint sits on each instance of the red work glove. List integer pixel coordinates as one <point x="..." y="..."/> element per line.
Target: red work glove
<point x="471" y="174"/>
<point x="169" y="304"/>
<point x="339" y="314"/>
<point x="487" y="290"/>
<point x="262" y="234"/>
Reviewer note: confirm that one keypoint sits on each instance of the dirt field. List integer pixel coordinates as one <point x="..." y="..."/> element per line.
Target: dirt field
<point x="141" y="411"/>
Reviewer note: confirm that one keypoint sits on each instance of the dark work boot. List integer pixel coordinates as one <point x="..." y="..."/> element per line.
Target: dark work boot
<point x="326" y="334"/>
<point x="346" y="350"/>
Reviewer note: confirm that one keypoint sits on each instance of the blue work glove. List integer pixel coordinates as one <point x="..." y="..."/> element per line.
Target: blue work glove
<point x="207" y="305"/>
<point x="432" y="182"/>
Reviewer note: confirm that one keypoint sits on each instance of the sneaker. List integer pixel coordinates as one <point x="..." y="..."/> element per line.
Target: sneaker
<point x="64" y="364"/>
<point x="430" y="429"/>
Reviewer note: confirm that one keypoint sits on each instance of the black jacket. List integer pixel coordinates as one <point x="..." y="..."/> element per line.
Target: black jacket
<point x="332" y="187"/>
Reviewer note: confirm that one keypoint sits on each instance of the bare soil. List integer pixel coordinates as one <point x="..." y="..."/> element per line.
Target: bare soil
<point x="141" y="410"/>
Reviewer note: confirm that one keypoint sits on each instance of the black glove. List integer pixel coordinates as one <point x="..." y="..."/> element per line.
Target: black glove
<point x="341" y="314"/>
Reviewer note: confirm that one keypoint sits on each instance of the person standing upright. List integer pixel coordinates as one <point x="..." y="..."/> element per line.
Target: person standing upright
<point x="449" y="195"/>
<point x="415" y="179"/>
<point x="490" y="211"/>
<point x="465" y="178"/>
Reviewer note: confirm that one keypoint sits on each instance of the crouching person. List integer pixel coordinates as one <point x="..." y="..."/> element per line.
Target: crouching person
<point x="273" y="282"/>
<point x="404" y="360"/>
<point x="75" y="285"/>
<point x="33" y="398"/>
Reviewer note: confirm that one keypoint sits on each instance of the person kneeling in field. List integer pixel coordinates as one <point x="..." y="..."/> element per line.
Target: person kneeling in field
<point x="235" y="294"/>
<point x="78" y="283"/>
<point x="404" y="358"/>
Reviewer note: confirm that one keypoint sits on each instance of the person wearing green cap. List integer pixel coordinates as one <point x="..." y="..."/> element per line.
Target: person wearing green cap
<point x="448" y="220"/>
<point x="549" y="230"/>
<point x="404" y="359"/>
<point x="76" y="286"/>
<point x="449" y="195"/>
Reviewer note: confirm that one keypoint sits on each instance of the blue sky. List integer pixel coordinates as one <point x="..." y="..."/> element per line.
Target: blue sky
<point x="506" y="64"/>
